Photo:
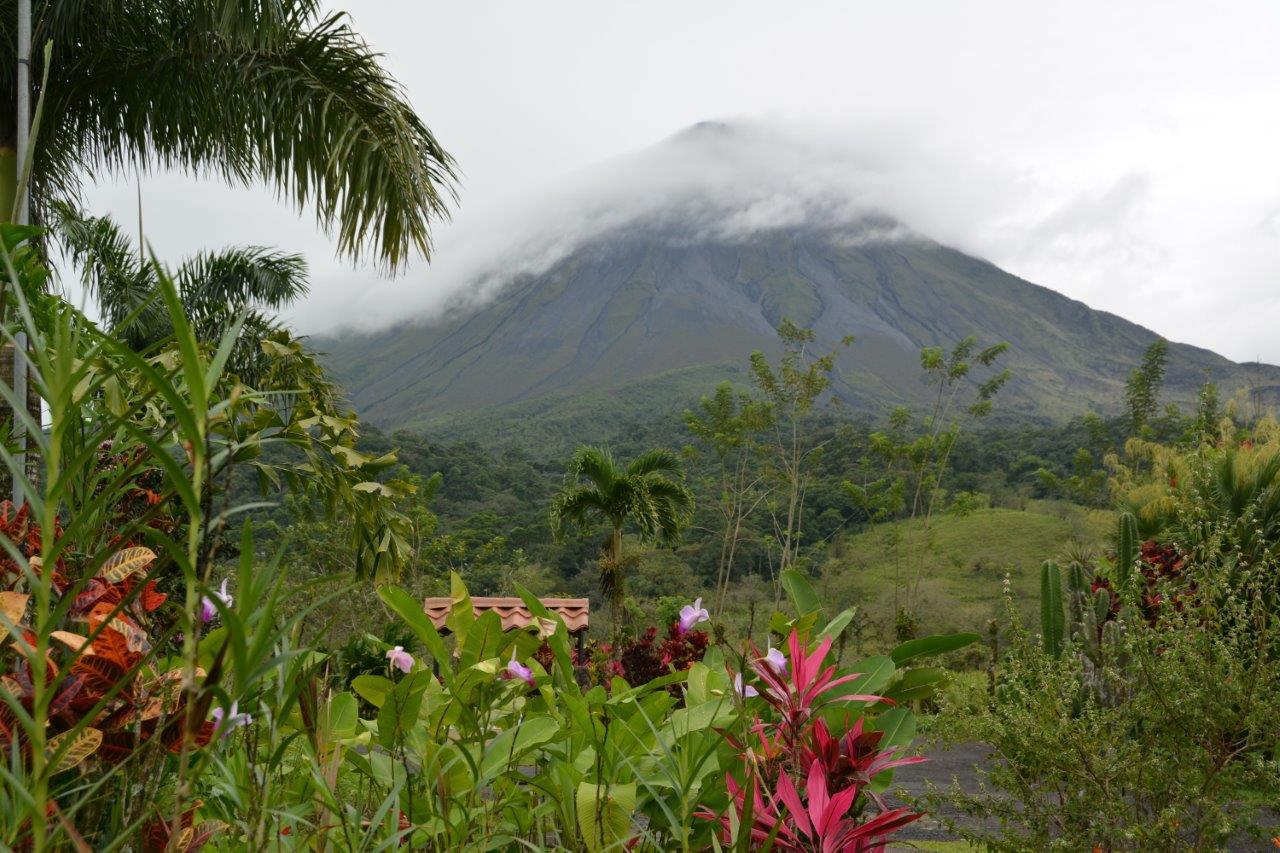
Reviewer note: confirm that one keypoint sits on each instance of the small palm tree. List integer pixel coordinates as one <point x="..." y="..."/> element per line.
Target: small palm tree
<point x="216" y="288"/>
<point x="647" y="493"/>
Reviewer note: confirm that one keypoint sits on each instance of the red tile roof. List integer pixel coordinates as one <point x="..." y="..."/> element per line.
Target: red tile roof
<point x="575" y="612"/>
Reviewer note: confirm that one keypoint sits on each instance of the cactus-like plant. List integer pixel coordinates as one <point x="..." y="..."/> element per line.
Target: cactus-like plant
<point x="1086" y="616"/>
<point x="1051" y="617"/>
<point x="1127" y="548"/>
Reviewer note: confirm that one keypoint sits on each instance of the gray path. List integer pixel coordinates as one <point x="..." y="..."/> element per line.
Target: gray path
<point x="944" y="765"/>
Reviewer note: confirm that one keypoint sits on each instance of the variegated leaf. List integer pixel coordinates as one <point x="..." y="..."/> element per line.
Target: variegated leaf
<point x="124" y="563"/>
<point x="84" y="744"/>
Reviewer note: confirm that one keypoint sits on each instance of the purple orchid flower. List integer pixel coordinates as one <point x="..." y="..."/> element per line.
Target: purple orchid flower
<point x="209" y="610"/>
<point x="775" y="660"/>
<point x="400" y="659"/>
<point x="224" y="723"/>
<point x="690" y="615"/>
<point x="746" y="691"/>
<point x="515" y="669"/>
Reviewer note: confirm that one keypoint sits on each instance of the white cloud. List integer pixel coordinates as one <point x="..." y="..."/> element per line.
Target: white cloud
<point x="1120" y="153"/>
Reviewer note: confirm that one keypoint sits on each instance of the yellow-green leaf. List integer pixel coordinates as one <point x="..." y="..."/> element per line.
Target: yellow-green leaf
<point x="83" y="744"/>
<point x="604" y="814"/>
<point x="12" y="605"/>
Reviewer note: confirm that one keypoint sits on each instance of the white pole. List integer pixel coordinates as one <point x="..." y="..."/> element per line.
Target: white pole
<point x="24" y="216"/>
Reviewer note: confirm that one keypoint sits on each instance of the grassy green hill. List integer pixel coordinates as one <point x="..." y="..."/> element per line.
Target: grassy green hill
<point x="964" y="563"/>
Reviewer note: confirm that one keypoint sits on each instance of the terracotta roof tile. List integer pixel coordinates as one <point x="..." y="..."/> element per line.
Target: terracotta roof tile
<point x="575" y="612"/>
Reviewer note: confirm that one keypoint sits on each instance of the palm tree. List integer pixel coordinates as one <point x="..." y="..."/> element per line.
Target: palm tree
<point x="216" y="288"/>
<point x="646" y="493"/>
<point x="248" y="90"/>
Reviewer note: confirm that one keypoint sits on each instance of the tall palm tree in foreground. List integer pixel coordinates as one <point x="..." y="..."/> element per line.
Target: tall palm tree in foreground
<point x="216" y="289"/>
<point x="246" y="90"/>
<point x="646" y="493"/>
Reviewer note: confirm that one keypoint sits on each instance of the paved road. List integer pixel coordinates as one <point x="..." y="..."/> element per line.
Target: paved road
<point x="944" y="765"/>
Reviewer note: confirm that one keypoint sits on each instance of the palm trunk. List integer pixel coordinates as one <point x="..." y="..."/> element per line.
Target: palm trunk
<point x="8" y="194"/>
<point x="612" y="577"/>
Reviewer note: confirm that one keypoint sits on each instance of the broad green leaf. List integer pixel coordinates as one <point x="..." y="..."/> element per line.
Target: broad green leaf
<point x="898" y="725"/>
<point x="461" y="613"/>
<point x="372" y="688"/>
<point x="412" y="613"/>
<point x="514" y="743"/>
<point x="801" y="592"/>
<point x="399" y="713"/>
<point x="935" y="645"/>
<point x="838" y="624"/>
<point x="918" y="683"/>
<point x="484" y="639"/>
<point x="604" y="815"/>
<point x="712" y="714"/>
<point x="343" y="714"/>
<point x="873" y="674"/>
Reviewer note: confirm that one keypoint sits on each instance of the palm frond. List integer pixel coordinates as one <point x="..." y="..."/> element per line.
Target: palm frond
<point x="576" y="508"/>
<point x="248" y="276"/>
<point x="597" y="466"/>
<point x="113" y="274"/>
<point x="250" y="91"/>
<point x="655" y="461"/>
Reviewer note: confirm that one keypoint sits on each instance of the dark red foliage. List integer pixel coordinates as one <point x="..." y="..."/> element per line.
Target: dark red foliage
<point x="1161" y="565"/>
<point x="144" y="498"/>
<point x="18" y="527"/>
<point x="637" y="660"/>
<point x="645" y="658"/>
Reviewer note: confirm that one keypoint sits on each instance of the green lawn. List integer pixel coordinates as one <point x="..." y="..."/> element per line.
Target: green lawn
<point x="961" y="564"/>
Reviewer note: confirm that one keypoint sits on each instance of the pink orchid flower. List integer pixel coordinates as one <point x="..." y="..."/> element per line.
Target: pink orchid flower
<point x="690" y="615"/>
<point x="400" y="659"/>
<point x="515" y="669"/>
<point x="746" y="691"/>
<point x="225" y="722"/>
<point x="209" y="610"/>
<point x="775" y="660"/>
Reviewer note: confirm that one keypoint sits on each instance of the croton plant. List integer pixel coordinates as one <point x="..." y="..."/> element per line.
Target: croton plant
<point x="111" y="694"/>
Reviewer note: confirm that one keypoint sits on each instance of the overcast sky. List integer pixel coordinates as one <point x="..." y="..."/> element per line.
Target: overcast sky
<point x="1126" y="154"/>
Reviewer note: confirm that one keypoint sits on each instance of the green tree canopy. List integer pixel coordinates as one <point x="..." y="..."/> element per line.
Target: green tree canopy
<point x="1142" y="389"/>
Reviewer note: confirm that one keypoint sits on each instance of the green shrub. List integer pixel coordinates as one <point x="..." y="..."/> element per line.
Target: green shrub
<point x="1178" y="764"/>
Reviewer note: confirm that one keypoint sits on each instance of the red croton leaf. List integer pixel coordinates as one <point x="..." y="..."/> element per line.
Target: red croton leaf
<point x="151" y="599"/>
<point x="100" y="675"/>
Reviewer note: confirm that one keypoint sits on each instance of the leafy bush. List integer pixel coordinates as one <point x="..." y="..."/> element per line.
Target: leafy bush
<point x="1174" y="753"/>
